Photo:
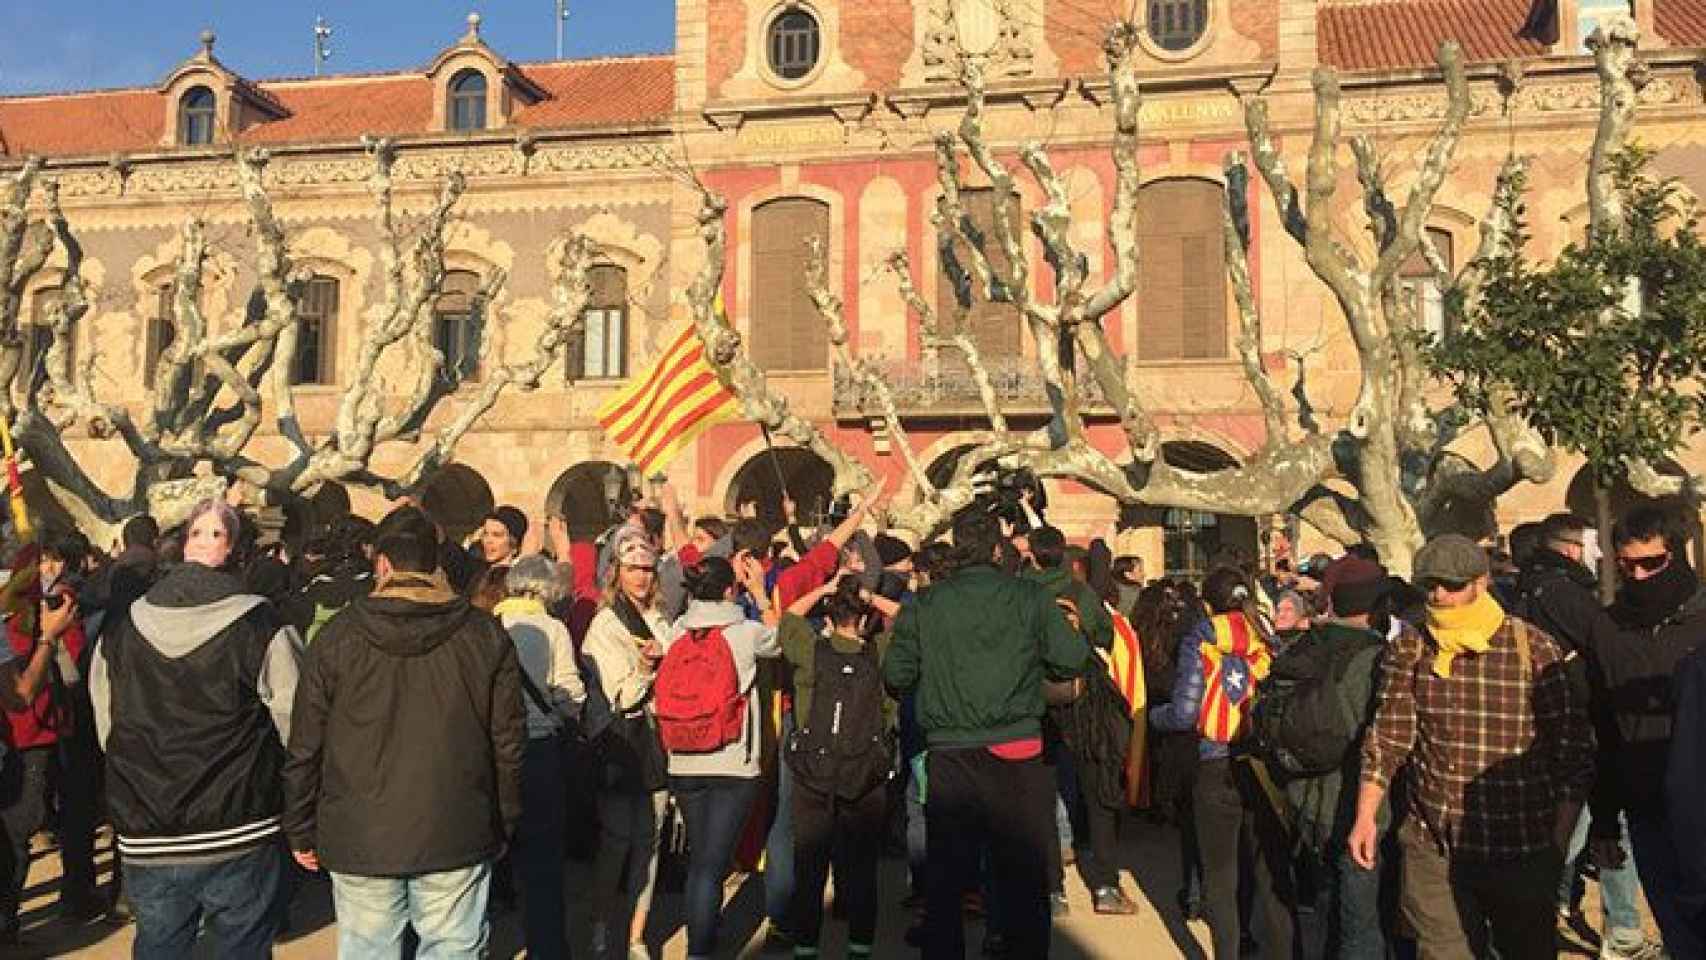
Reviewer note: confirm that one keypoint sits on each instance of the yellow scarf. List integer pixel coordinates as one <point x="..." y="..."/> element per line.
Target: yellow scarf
<point x="517" y="605"/>
<point x="1466" y="629"/>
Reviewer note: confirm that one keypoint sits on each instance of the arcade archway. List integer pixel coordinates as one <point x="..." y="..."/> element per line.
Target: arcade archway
<point x="806" y="476"/>
<point x="591" y="496"/>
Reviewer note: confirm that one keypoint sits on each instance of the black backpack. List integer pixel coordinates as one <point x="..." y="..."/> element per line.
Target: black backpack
<point x="1302" y="724"/>
<point x="842" y="747"/>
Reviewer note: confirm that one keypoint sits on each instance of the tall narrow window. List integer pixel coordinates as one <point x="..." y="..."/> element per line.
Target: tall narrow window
<point x="196" y="113"/>
<point x="794" y="42"/>
<point x="161" y="331"/>
<point x="468" y="101"/>
<point x="316" y="333"/>
<point x="992" y="324"/>
<point x="456" y="325"/>
<point x="601" y="352"/>
<point x="1181" y="272"/>
<point x="40" y="334"/>
<point x="1422" y="284"/>
<point x="787" y="331"/>
<point x="1177" y="24"/>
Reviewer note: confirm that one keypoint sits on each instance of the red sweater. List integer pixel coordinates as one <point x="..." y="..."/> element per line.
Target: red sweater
<point x="43" y="721"/>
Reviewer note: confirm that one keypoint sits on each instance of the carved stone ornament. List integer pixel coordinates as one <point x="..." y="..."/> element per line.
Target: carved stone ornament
<point x="1530" y="98"/>
<point x="217" y="175"/>
<point x="1006" y="34"/>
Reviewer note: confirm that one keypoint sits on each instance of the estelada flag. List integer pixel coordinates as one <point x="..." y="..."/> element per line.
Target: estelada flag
<point x="663" y="410"/>
<point x="1231" y="666"/>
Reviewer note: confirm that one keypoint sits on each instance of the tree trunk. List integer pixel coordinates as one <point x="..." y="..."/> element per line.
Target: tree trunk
<point x="1607" y="555"/>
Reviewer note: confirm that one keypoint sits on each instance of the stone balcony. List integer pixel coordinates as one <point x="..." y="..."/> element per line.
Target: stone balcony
<point x="932" y="387"/>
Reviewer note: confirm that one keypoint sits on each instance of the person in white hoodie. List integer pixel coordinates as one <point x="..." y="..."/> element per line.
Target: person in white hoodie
<point x="715" y="789"/>
<point x="624" y="644"/>
<point x="553" y="692"/>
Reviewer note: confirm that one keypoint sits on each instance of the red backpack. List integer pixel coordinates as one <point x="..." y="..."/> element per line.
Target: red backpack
<point x="699" y="704"/>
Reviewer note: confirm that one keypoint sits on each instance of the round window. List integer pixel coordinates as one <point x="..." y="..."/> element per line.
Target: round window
<point x="793" y="43"/>
<point x="1177" y="24"/>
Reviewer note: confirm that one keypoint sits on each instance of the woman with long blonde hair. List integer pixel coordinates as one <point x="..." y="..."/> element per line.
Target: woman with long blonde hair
<point x="623" y="646"/>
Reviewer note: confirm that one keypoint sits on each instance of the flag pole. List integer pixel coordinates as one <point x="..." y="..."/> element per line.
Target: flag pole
<point x="775" y="461"/>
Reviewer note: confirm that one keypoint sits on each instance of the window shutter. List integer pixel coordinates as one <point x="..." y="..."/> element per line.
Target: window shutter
<point x="159" y="334"/>
<point x="1181" y="293"/>
<point x="601" y="349"/>
<point x="1416" y="278"/>
<point x="993" y="325"/>
<point x="787" y="333"/>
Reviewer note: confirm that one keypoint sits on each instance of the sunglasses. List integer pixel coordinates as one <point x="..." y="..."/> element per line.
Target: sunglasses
<point x="1440" y="583"/>
<point x="1652" y="564"/>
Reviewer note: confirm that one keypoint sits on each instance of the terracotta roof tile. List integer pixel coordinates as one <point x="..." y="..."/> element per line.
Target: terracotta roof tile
<point x="1405" y="34"/>
<point x="578" y="93"/>
<point x="1682" y="23"/>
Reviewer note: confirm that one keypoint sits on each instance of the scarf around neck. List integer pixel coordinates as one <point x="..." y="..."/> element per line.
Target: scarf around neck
<point x="519" y="605"/>
<point x="1650" y="602"/>
<point x="1466" y="629"/>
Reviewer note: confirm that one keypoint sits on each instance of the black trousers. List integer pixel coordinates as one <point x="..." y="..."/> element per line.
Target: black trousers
<point x="1102" y="869"/>
<point x="977" y="802"/>
<point x="849" y="835"/>
<point x="1235" y="823"/>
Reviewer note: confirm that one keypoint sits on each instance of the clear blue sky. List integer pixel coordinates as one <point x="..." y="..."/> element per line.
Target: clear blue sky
<point x="50" y="45"/>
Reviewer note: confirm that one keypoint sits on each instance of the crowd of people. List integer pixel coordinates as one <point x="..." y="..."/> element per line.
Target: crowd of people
<point x="1355" y="764"/>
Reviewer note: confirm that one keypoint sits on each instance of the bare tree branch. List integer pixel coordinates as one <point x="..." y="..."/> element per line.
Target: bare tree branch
<point x="829" y="307"/>
<point x="901" y="266"/>
<point x="1243" y="292"/>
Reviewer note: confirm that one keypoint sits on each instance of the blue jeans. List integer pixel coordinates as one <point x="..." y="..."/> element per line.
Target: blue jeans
<point x="1661" y="877"/>
<point x="779" y="844"/>
<point x="714" y="810"/>
<point x="1356" y="915"/>
<point x="538" y="856"/>
<point x="1619" y="889"/>
<point x="236" y="899"/>
<point x="447" y="910"/>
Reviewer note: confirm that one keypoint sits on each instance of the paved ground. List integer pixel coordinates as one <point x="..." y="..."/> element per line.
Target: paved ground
<point x="1150" y="856"/>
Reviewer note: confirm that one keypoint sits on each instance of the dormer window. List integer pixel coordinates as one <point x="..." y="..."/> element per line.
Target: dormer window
<point x="196" y="112"/>
<point x="468" y="101"/>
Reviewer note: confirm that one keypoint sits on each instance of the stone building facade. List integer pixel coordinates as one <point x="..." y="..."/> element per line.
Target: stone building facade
<point x="817" y="117"/>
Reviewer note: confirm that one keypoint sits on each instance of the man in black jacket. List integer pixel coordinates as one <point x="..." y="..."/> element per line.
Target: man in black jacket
<point x="404" y="777"/>
<point x="1556" y="592"/>
<point x="1658" y="619"/>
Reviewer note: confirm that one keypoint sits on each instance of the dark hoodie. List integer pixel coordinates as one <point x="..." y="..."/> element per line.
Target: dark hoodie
<point x="1635" y="651"/>
<point x="409" y="731"/>
<point x="192" y="695"/>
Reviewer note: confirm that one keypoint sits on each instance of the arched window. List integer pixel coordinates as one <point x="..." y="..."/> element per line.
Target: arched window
<point x="1177" y="24"/>
<point x="456" y="325"/>
<point x="992" y="324"/>
<point x="1422" y="285"/>
<point x="601" y="350"/>
<point x="316" y="334"/>
<point x="793" y="43"/>
<point x="1181" y="279"/>
<point x="787" y="331"/>
<point x="468" y="100"/>
<point x="196" y="113"/>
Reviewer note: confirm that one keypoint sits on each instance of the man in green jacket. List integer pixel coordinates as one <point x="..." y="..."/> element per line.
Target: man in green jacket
<point x="975" y="650"/>
<point x="1048" y="549"/>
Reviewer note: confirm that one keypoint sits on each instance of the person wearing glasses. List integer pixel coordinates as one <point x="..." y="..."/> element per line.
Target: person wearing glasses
<point x="1477" y="706"/>
<point x="1657" y="620"/>
<point x="1556" y="592"/>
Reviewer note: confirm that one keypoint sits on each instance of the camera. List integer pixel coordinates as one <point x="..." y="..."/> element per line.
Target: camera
<point x="1001" y="491"/>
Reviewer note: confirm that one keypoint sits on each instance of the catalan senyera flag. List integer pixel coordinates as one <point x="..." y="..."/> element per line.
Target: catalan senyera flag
<point x="22" y="530"/>
<point x="663" y="410"/>
<point x="1232" y="666"/>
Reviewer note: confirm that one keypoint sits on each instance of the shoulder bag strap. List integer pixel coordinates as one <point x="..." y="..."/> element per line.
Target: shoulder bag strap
<point x="538" y="697"/>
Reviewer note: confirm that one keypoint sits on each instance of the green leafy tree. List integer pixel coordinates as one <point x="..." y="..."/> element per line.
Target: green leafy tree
<point x="1603" y="349"/>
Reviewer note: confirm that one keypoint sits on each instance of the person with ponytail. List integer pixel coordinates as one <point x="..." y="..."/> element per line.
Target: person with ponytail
<point x="1233" y="802"/>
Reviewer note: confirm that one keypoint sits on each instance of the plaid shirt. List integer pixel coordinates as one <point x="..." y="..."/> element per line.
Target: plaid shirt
<point x="1494" y="749"/>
